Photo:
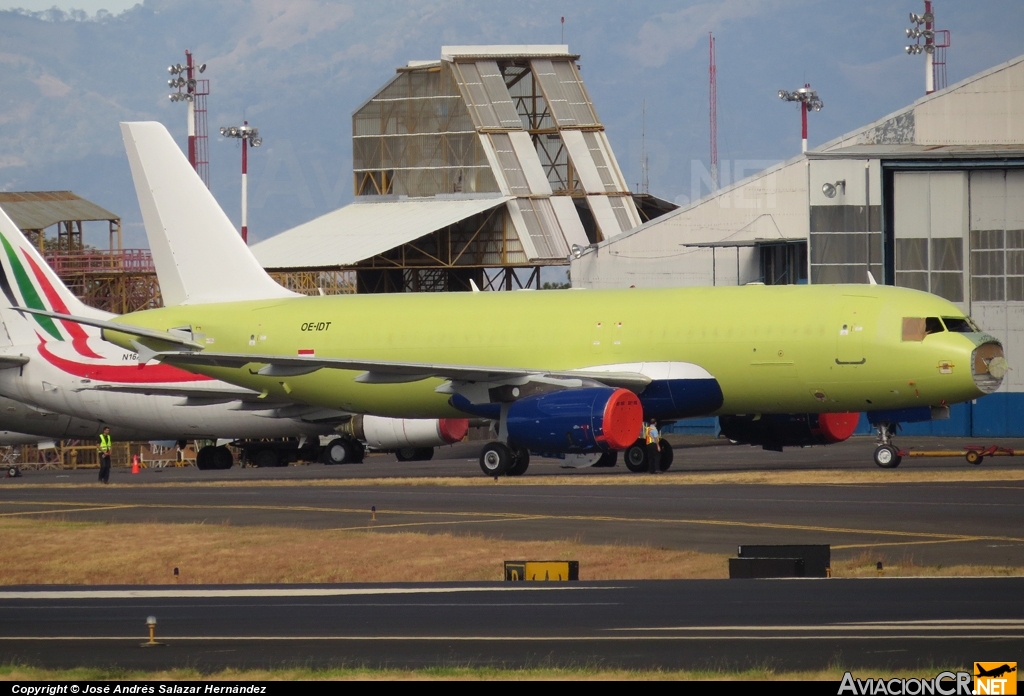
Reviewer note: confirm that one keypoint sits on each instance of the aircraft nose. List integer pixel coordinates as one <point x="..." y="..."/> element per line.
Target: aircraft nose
<point x="988" y="366"/>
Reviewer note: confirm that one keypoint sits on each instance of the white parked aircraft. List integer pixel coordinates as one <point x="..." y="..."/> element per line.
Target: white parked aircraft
<point x="66" y="372"/>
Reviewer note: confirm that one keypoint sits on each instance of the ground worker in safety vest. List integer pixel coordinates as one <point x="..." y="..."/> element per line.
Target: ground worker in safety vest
<point x="651" y="438"/>
<point x="105" y="447"/>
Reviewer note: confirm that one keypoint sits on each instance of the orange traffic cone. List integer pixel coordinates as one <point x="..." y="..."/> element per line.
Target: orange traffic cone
<point x="135" y="463"/>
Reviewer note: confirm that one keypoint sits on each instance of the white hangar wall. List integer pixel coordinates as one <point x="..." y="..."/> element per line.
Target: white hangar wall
<point x="771" y="205"/>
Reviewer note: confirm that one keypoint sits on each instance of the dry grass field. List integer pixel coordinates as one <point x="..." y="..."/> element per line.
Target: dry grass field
<point x="60" y="552"/>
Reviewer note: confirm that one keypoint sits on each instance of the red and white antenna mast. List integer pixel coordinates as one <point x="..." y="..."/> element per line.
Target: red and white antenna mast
<point x="936" y="41"/>
<point x="713" y="109"/>
<point x="193" y="92"/>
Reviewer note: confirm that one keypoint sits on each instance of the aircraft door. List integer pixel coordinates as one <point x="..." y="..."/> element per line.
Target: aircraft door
<point x="856" y="326"/>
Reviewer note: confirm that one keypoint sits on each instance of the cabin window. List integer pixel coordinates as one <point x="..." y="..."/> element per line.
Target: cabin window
<point x="916" y="328"/>
<point x="960" y="325"/>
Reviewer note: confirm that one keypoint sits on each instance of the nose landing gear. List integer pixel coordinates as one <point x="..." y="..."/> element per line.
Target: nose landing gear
<point x="886" y="454"/>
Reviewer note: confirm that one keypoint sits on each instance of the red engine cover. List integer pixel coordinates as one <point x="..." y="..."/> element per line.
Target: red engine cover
<point x="623" y="419"/>
<point x="836" y="427"/>
<point x="453" y="429"/>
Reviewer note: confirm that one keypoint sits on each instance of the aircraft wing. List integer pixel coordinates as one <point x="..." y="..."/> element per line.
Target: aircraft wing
<point x="188" y="352"/>
<point x="386" y="372"/>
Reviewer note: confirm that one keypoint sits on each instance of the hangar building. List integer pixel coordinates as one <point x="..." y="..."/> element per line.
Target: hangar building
<point x="930" y="197"/>
<point x="490" y="160"/>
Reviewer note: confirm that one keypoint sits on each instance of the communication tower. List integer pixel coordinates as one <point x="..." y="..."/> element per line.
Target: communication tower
<point x="713" y="109"/>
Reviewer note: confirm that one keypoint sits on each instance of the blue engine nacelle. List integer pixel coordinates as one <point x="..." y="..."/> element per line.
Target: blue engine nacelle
<point x="576" y="420"/>
<point x="571" y="420"/>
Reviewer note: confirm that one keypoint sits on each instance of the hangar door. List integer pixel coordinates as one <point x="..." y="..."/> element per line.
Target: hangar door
<point x="960" y="235"/>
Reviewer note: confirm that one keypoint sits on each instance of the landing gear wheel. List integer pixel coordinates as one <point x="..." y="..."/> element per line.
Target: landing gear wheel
<point x="495" y="459"/>
<point x="221" y="458"/>
<point x="635" y="458"/>
<point x="266" y="458"/>
<point x="974" y="457"/>
<point x="666" y="455"/>
<point x="887" y="457"/>
<point x="205" y="458"/>
<point x="358" y="451"/>
<point x="414" y="454"/>
<point x="607" y="459"/>
<point x="338" y="451"/>
<point x="521" y="462"/>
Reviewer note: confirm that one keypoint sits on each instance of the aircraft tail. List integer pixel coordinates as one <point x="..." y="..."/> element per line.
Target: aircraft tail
<point x="199" y="255"/>
<point x="26" y="280"/>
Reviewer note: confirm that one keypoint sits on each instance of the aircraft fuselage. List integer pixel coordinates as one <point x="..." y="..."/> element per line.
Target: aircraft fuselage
<point x="772" y="349"/>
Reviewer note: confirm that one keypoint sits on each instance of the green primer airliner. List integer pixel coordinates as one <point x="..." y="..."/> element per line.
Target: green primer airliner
<point x="568" y="370"/>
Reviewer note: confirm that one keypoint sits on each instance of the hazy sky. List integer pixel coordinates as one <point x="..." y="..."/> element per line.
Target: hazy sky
<point x="298" y="68"/>
<point x="88" y="6"/>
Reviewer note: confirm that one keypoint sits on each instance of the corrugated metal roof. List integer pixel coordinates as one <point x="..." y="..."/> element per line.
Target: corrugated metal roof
<point x="37" y="210"/>
<point x="364" y="229"/>
<point x="937" y="95"/>
<point x="896" y="151"/>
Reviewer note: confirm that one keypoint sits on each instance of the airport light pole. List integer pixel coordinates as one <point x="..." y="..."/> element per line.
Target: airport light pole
<point x="184" y="80"/>
<point x="935" y="42"/>
<point x="809" y="100"/>
<point x="250" y="136"/>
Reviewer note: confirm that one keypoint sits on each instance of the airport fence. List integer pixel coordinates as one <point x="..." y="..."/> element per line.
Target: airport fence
<point x="78" y="454"/>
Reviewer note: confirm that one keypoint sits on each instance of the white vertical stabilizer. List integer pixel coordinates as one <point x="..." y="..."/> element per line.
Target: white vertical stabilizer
<point x="199" y="255"/>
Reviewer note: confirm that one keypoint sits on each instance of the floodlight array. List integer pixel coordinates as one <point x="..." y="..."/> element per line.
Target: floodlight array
<point x="805" y="95"/>
<point x="250" y="133"/>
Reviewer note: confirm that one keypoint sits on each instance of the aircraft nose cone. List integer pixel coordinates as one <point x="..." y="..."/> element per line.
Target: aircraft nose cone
<point x="988" y="366"/>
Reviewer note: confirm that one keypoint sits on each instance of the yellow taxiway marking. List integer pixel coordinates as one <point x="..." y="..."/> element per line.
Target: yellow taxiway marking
<point x="499" y="516"/>
<point x="808" y="477"/>
<point x="606" y="638"/>
<point x="955" y="540"/>
<point x="63" y="510"/>
<point x="373" y="527"/>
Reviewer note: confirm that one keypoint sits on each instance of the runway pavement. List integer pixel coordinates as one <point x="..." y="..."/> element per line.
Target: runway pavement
<point x="717" y="624"/>
<point x="788" y="624"/>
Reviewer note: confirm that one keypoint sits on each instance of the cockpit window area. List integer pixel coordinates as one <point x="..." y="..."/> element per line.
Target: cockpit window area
<point x="960" y="325"/>
<point x="916" y="328"/>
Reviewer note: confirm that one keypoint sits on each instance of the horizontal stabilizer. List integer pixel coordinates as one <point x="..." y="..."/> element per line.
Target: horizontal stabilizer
<point x="113" y="326"/>
<point x="222" y="395"/>
<point x="9" y="361"/>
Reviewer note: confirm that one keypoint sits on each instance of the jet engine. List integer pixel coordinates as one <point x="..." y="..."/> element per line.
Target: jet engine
<point x="576" y="420"/>
<point x="399" y="433"/>
<point x="777" y="430"/>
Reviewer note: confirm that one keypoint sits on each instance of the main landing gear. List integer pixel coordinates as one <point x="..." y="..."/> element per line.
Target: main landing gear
<point x="499" y="459"/>
<point x="212" y="457"/>
<point x="887" y="455"/>
<point x="635" y="457"/>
